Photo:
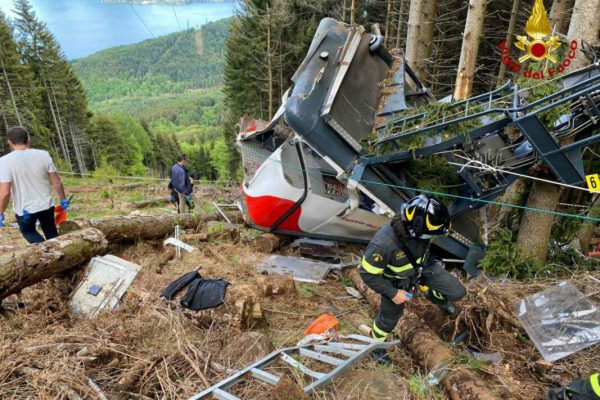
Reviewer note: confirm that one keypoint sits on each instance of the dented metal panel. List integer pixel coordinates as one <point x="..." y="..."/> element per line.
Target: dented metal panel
<point x="105" y="281"/>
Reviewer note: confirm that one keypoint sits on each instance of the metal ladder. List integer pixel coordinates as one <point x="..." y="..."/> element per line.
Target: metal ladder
<point x="344" y="355"/>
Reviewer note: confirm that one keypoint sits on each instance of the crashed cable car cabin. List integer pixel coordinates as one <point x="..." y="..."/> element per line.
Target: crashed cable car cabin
<point x="332" y="161"/>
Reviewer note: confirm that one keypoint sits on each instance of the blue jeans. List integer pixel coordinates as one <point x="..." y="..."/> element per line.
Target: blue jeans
<point x="27" y="226"/>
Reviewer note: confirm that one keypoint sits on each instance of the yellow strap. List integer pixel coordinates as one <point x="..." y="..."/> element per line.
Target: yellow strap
<point x="371" y="268"/>
<point x="401" y="268"/>
<point x="595" y="381"/>
<point x="379" y="334"/>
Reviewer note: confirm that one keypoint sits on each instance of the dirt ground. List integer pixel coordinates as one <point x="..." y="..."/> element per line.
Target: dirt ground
<point x="152" y="348"/>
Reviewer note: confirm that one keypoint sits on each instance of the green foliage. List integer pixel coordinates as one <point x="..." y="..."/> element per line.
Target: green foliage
<point x="470" y="362"/>
<point x="221" y="160"/>
<point x="538" y="90"/>
<point x="345" y="280"/>
<point x="105" y="171"/>
<point x="504" y="258"/>
<point x="428" y="115"/>
<point x="170" y="84"/>
<point x="173" y="63"/>
<point x="418" y="386"/>
<point x="565" y="229"/>
<point x="434" y="174"/>
<point x="111" y="146"/>
<point x="304" y="289"/>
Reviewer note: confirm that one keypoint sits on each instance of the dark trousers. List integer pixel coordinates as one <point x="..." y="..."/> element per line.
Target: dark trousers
<point x="584" y="389"/>
<point x="27" y="226"/>
<point x="443" y="287"/>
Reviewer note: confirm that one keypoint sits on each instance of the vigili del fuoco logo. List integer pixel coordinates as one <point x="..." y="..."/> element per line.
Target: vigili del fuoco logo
<point x="538" y="45"/>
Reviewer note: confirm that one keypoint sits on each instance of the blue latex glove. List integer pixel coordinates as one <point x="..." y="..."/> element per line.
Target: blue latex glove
<point x="188" y="197"/>
<point x="170" y="198"/>
<point x="2" y="220"/>
<point x="64" y="203"/>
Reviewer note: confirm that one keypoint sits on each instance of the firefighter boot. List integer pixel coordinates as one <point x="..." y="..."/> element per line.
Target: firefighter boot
<point x="381" y="356"/>
<point x="583" y="389"/>
<point x="447" y="306"/>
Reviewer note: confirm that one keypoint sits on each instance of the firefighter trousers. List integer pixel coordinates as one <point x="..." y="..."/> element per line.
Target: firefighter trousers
<point x="443" y="287"/>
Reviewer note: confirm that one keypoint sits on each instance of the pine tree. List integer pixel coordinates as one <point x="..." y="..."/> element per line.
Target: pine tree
<point x="17" y="90"/>
<point x="61" y="94"/>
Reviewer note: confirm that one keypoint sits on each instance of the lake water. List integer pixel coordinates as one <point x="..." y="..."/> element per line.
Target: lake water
<point x="85" y="26"/>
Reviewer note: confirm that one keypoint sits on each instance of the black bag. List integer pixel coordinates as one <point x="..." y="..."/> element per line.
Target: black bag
<point x="205" y="293"/>
<point x="179" y="283"/>
<point x="201" y="294"/>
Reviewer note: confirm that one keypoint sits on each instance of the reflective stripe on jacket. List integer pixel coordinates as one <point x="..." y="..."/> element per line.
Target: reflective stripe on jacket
<point x="385" y="259"/>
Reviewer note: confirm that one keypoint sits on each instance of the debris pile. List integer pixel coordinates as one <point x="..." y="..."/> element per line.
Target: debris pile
<point x="152" y="347"/>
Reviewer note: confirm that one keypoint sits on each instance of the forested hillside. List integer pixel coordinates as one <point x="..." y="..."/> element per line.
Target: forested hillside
<point x="135" y="134"/>
<point x="173" y="63"/>
<point x="172" y="83"/>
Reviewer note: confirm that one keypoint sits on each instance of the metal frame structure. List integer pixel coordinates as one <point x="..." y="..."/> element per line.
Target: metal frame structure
<point x="339" y="354"/>
<point x="335" y="106"/>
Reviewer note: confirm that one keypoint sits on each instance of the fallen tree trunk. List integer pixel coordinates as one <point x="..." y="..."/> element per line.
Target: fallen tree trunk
<point x="86" y="189"/>
<point x="148" y="203"/>
<point x="130" y="228"/>
<point x="28" y="265"/>
<point x="427" y="347"/>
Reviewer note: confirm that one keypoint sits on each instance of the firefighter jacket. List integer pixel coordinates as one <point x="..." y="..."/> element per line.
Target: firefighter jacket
<point x="385" y="267"/>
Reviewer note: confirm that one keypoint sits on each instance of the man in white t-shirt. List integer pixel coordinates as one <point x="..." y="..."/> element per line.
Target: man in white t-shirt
<point x="28" y="175"/>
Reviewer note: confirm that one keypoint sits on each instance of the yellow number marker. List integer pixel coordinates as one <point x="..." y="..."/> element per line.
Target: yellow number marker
<point x="593" y="182"/>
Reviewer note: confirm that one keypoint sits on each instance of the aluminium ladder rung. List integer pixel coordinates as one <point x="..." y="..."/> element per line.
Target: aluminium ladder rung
<point x="348" y="346"/>
<point x="264" y="376"/>
<point x="361" y="338"/>
<point x="223" y="395"/>
<point x="296" y="364"/>
<point x="321" y="357"/>
<point x="337" y="350"/>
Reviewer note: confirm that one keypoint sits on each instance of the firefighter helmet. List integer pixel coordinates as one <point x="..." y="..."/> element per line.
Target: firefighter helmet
<point x="423" y="215"/>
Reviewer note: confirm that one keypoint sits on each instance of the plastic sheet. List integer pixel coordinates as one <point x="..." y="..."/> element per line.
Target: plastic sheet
<point x="560" y="321"/>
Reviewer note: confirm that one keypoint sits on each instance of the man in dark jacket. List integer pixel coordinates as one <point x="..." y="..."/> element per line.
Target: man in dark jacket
<point x="397" y="260"/>
<point x="180" y="179"/>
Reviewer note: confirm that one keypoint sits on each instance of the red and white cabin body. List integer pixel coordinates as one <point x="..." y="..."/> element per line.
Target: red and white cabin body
<point x="289" y="188"/>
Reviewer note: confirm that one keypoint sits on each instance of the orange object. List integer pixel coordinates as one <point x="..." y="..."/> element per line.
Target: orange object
<point x="323" y="324"/>
<point x="60" y="215"/>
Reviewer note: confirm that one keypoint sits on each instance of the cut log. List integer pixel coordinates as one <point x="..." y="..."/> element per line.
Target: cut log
<point x="431" y="352"/>
<point x="148" y="203"/>
<point x="130" y="228"/>
<point x="26" y="266"/>
<point x="86" y="189"/>
<point x="267" y="243"/>
<point x="271" y="285"/>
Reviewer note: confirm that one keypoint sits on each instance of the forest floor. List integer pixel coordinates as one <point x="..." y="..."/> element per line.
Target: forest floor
<point x="150" y="348"/>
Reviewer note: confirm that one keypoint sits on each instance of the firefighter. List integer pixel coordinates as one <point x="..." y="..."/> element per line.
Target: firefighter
<point x="581" y="389"/>
<point x="397" y="260"/>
